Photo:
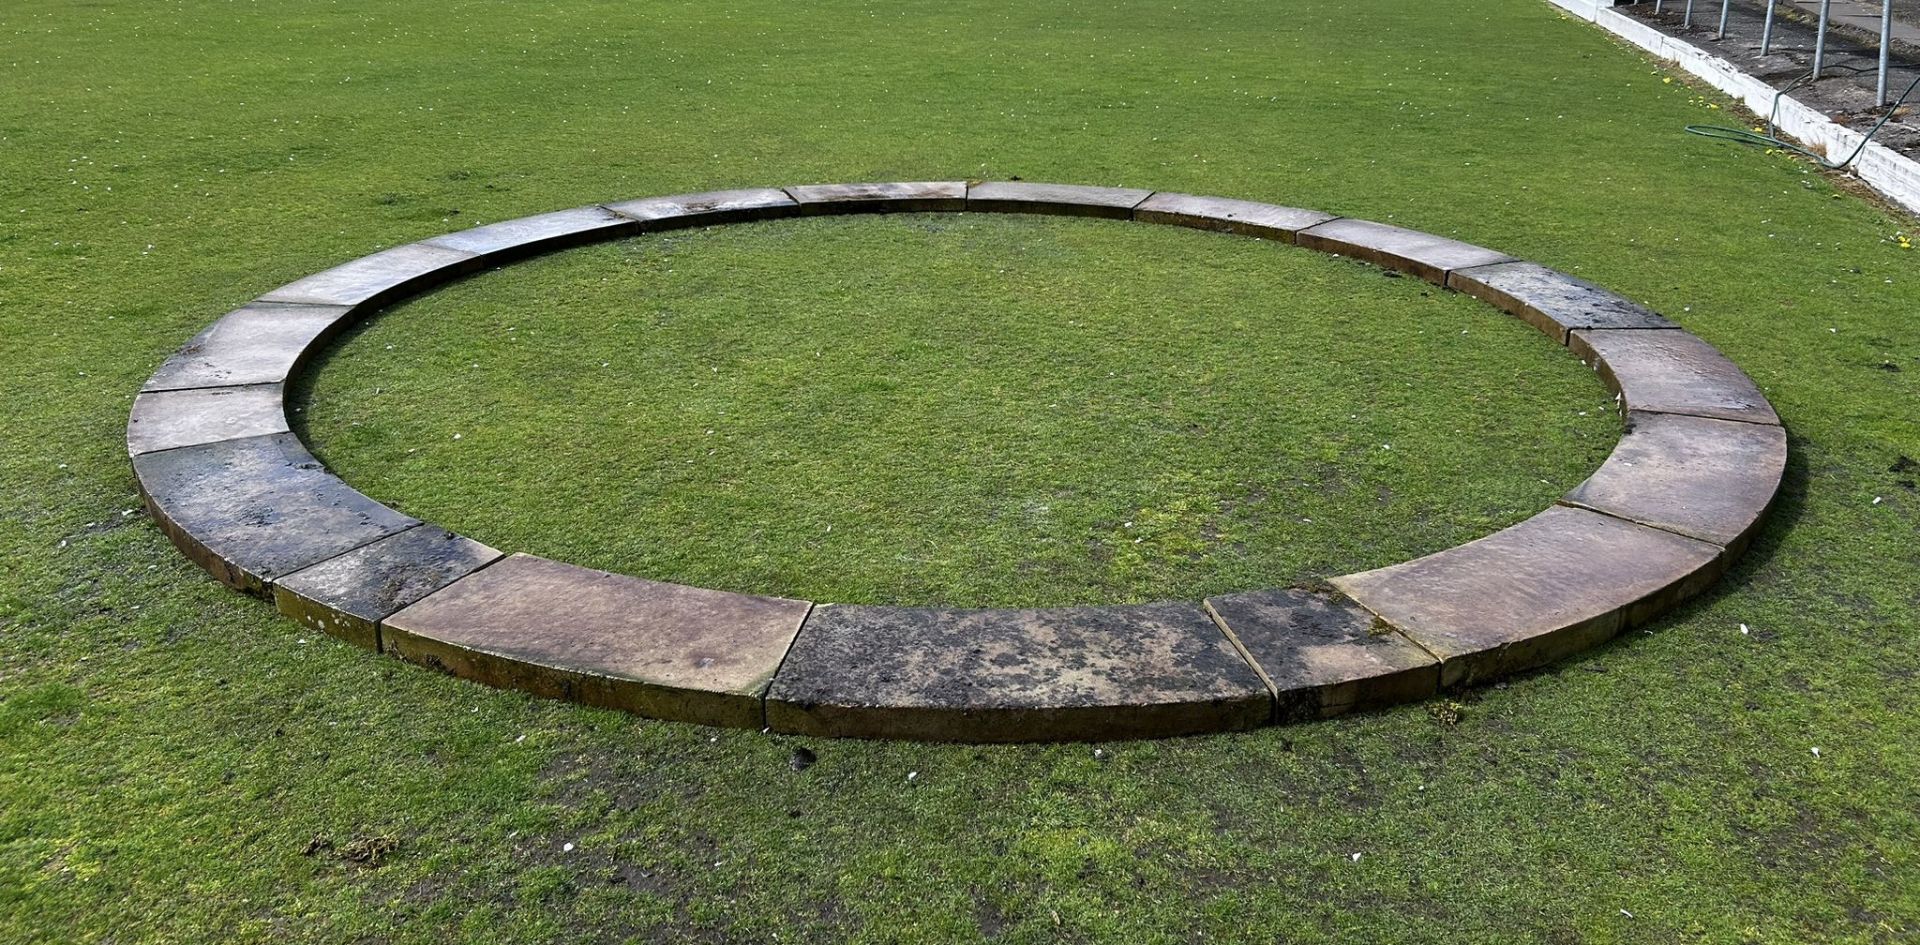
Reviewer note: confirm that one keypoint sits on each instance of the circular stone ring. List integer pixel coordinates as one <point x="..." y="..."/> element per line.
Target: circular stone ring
<point x="1700" y="462"/>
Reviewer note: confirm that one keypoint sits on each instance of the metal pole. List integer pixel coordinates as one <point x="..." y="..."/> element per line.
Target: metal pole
<point x="1886" y="31"/>
<point x="1766" y="32"/>
<point x="1687" y="23"/>
<point x="1820" y="38"/>
<point x="1657" y="4"/>
<point x="1724" y="6"/>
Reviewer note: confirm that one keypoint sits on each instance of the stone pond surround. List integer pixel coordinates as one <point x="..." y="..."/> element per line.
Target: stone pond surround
<point x="1699" y="463"/>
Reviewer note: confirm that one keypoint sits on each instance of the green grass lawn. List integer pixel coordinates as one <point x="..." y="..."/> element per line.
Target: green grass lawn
<point x="170" y="752"/>
<point x="995" y="411"/>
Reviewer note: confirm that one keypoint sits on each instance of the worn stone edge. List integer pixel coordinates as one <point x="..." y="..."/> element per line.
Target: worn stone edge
<point x="1326" y="700"/>
<point x="614" y="225"/>
<point x="1213" y="223"/>
<point x="1463" y="670"/>
<point x="1057" y="205"/>
<point x="1562" y="335"/>
<point x="726" y="709"/>
<point x="810" y="205"/>
<point x="1327" y="242"/>
<point x="605" y="689"/>
<point x="461" y="263"/>
<point x="1733" y="548"/>
<point x="234" y="575"/>
<point x="1584" y="350"/>
<point x="354" y="629"/>
<point x="1025" y="724"/>
<point x="148" y="396"/>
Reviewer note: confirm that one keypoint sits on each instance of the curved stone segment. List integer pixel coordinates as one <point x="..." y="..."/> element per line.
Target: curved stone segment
<point x="348" y="596"/>
<point x="1422" y="254"/>
<point x="1222" y="215"/>
<point x="372" y="280"/>
<point x="1059" y="199"/>
<point x="901" y="197"/>
<point x="546" y="231"/>
<point x="710" y="208"/>
<point x="1672" y="372"/>
<point x="164" y="420"/>
<point x="260" y="343"/>
<point x="1552" y="301"/>
<point x="1072" y="673"/>
<point x="254" y="509"/>
<point x="1322" y="655"/>
<point x="1553" y="585"/>
<point x="1703" y="478"/>
<point x="558" y="630"/>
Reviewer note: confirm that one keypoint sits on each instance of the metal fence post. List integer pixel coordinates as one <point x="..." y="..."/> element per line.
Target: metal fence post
<point x="1886" y="31"/>
<point x="1725" y="5"/>
<point x="1820" y="38"/>
<point x="1766" y="32"/>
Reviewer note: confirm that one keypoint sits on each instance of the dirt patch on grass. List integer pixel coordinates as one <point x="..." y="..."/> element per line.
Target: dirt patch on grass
<point x="364" y="850"/>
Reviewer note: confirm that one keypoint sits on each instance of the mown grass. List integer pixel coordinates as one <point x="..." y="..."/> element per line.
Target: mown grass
<point x="998" y="411"/>
<point x="169" y="751"/>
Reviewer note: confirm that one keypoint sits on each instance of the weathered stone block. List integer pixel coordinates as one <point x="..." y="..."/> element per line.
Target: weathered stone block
<point x="511" y="239"/>
<point x="164" y="420"/>
<point x="1059" y="199"/>
<point x="1324" y="655"/>
<point x="710" y="208"/>
<point x="372" y="281"/>
<point x="1244" y="217"/>
<point x="1704" y="478"/>
<point x="1422" y="254"/>
<point x="1672" y="372"/>
<point x="255" y="509"/>
<point x="348" y="596"/>
<point x="1555" y="584"/>
<point x="902" y="197"/>
<point x="261" y="343"/>
<point x="1015" y="675"/>
<point x="566" y="632"/>
<point x="1554" y="302"/>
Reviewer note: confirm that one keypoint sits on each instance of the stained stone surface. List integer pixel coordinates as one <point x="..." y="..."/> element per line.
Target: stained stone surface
<point x="1423" y="254"/>
<point x="901" y="197"/>
<point x="1704" y="478"/>
<point x="710" y="208"/>
<point x="1323" y="654"/>
<point x="1552" y="301"/>
<point x="542" y="232"/>
<point x="1014" y="675"/>
<point x="349" y="595"/>
<point x="1224" y="215"/>
<point x="379" y="278"/>
<point x="164" y="420"/>
<point x="260" y="343"/>
<point x="567" y="632"/>
<point x="1552" y="585"/>
<point x="1062" y="199"/>
<point x="1672" y="372"/>
<point x="255" y="509"/>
